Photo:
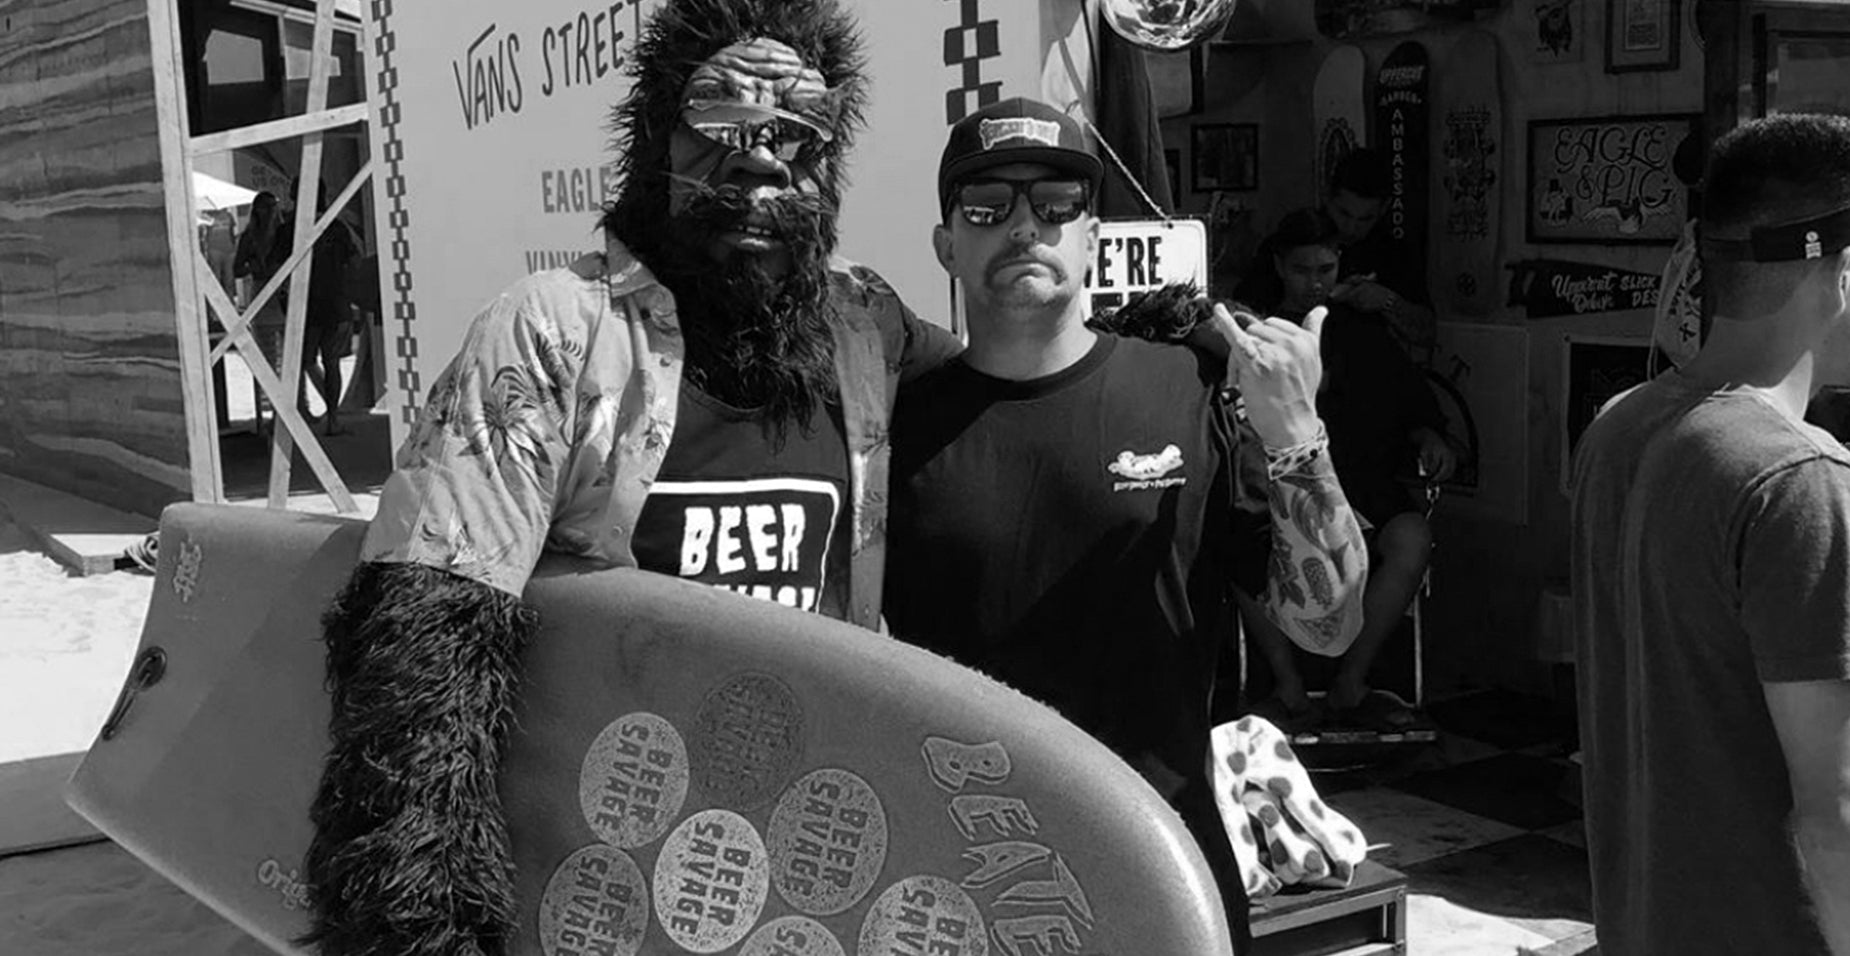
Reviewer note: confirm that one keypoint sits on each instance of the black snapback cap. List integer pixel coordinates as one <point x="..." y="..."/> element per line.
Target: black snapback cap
<point x="1018" y="130"/>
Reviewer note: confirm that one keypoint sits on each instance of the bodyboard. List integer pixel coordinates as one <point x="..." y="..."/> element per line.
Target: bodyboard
<point x="1339" y="110"/>
<point x="1468" y="179"/>
<point x="1402" y="112"/>
<point x="693" y="771"/>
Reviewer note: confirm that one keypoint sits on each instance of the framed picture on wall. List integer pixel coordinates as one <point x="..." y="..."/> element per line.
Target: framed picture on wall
<point x="1224" y="156"/>
<point x="1607" y="180"/>
<point x="1643" y="35"/>
<point x="1558" y="30"/>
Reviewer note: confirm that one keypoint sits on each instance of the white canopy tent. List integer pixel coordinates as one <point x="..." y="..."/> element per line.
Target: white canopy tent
<point x="211" y="192"/>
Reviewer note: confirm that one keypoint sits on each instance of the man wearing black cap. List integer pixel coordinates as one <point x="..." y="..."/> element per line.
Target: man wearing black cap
<point x="1711" y="584"/>
<point x="1069" y="507"/>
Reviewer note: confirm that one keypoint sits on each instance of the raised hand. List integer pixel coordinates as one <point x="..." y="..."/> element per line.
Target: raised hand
<point x="1276" y="365"/>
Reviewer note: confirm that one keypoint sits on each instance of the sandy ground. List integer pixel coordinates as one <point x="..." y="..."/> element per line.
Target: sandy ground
<point x="97" y="900"/>
<point x="65" y="647"/>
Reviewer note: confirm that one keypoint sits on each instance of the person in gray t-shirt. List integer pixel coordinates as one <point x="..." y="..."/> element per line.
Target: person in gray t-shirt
<point x="1711" y="586"/>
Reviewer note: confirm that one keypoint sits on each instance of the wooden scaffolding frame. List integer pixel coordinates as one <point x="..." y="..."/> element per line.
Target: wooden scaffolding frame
<point x="194" y="283"/>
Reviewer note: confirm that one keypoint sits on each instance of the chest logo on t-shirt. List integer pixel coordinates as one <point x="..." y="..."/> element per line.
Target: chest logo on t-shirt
<point x="1144" y="471"/>
<point x="766" y="538"/>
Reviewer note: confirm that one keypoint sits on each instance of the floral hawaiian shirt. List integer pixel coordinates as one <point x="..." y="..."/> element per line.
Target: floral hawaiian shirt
<point x="546" y="430"/>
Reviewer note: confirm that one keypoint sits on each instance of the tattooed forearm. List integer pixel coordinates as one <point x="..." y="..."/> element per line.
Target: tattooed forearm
<point x="1319" y="564"/>
<point x="1284" y="578"/>
<point x="1317" y="578"/>
<point x="1324" y="631"/>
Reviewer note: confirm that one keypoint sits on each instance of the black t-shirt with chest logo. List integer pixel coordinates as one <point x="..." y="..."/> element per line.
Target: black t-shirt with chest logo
<point x="1075" y="535"/>
<point x="732" y="508"/>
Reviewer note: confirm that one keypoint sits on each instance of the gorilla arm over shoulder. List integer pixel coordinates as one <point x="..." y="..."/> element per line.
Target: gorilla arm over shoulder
<point x="1318" y="566"/>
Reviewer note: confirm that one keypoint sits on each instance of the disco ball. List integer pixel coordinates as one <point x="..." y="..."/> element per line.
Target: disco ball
<point x="1167" y="24"/>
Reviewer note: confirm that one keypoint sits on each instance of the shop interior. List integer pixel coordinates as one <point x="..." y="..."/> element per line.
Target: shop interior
<point x="1542" y="160"/>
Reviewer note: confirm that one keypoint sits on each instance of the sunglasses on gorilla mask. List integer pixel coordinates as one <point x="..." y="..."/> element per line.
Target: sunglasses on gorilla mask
<point x="1056" y="202"/>
<point x="746" y="128"/>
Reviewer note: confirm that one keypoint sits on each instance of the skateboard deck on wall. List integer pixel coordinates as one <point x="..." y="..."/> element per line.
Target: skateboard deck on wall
<point x="1402" y="133"/>
<point x="1468" y="185"/>
<point x="1339" y="110"/>
<point x="693" y="771"/>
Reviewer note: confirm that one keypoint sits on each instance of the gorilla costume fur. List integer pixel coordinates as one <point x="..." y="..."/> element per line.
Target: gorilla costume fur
<point x="411" y="854"/>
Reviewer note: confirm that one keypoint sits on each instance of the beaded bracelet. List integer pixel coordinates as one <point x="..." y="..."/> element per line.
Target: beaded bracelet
<point x="1292" y="459"/>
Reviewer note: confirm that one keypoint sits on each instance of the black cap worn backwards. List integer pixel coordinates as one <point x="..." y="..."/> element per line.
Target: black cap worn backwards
<point x="1018" y="130"/>
<point x="1812" y="238"/>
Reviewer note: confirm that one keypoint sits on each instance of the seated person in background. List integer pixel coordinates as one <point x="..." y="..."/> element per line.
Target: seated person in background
<point x="1380" y="276"/>
<point x="1382" y="421"/>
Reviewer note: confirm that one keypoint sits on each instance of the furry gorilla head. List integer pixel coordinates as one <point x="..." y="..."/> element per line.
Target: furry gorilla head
<point x="757" y="323"/>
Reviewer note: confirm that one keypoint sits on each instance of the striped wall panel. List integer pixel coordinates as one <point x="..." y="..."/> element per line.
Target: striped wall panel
<point x="90" y="393"/>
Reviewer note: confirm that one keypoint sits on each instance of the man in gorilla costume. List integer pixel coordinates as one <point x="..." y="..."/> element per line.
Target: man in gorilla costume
<point x="715" y="345"/>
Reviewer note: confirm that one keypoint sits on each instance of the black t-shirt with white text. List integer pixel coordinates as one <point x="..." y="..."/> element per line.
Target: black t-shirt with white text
<point x="733" y="509"/>
<point x="1075" y="536"/>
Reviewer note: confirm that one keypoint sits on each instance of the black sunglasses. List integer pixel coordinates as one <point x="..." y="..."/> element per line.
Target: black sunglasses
<point x="785" y="138"/>
<point x="990" y="202"/>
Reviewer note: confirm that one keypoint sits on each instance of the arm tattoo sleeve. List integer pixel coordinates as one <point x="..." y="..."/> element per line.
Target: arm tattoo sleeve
<point x="1319" y="562"/>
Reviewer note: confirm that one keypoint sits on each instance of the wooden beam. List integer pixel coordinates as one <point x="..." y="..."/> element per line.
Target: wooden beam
<point x="287" y="414"/>
<point x="314" y="121"/>
<point x="308" y="192"/>
<point x="200" y="410"/>
<point x="282" y="274"/>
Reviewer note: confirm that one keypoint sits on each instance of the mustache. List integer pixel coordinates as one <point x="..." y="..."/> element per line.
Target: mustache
<point x="792" y="217"/>
<point x="1019" y="254"/>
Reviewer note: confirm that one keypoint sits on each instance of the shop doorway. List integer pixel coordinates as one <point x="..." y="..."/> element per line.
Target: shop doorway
<point x="267" y="163"/>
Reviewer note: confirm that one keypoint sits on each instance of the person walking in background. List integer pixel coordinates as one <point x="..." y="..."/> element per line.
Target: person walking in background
<point x="1711" y="586"/>
<point x="329" y="321"/>
<point x="218" y="241"/>
<point x="263" y="247"/>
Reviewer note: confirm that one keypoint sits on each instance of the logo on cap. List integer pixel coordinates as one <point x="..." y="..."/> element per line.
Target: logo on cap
<point x="996" y="131"/>
<point x="1814" y="245"/>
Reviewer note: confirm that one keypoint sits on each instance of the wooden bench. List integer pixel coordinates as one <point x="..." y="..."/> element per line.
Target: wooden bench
<point x="1366" y="918"/>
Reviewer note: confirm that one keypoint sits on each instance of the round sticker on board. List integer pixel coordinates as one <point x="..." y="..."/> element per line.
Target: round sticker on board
<point x="792" y="936"/>
<point x="827" y="839"/>
<point x="924" y="914"/>
<point x="747" y="741"/>
<point x="596" y="902"/>
<point x="633" y="780"/>
<point x="710" y="881"/>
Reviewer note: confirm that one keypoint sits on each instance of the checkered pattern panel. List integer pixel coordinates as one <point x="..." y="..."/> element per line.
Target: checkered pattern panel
<point x="966" y="46"/>
<point x="404" y="311"/>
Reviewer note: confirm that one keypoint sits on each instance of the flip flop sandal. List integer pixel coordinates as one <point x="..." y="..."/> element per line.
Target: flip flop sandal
<point x="1383" y="712"/>
<point x="146" y="552"/>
